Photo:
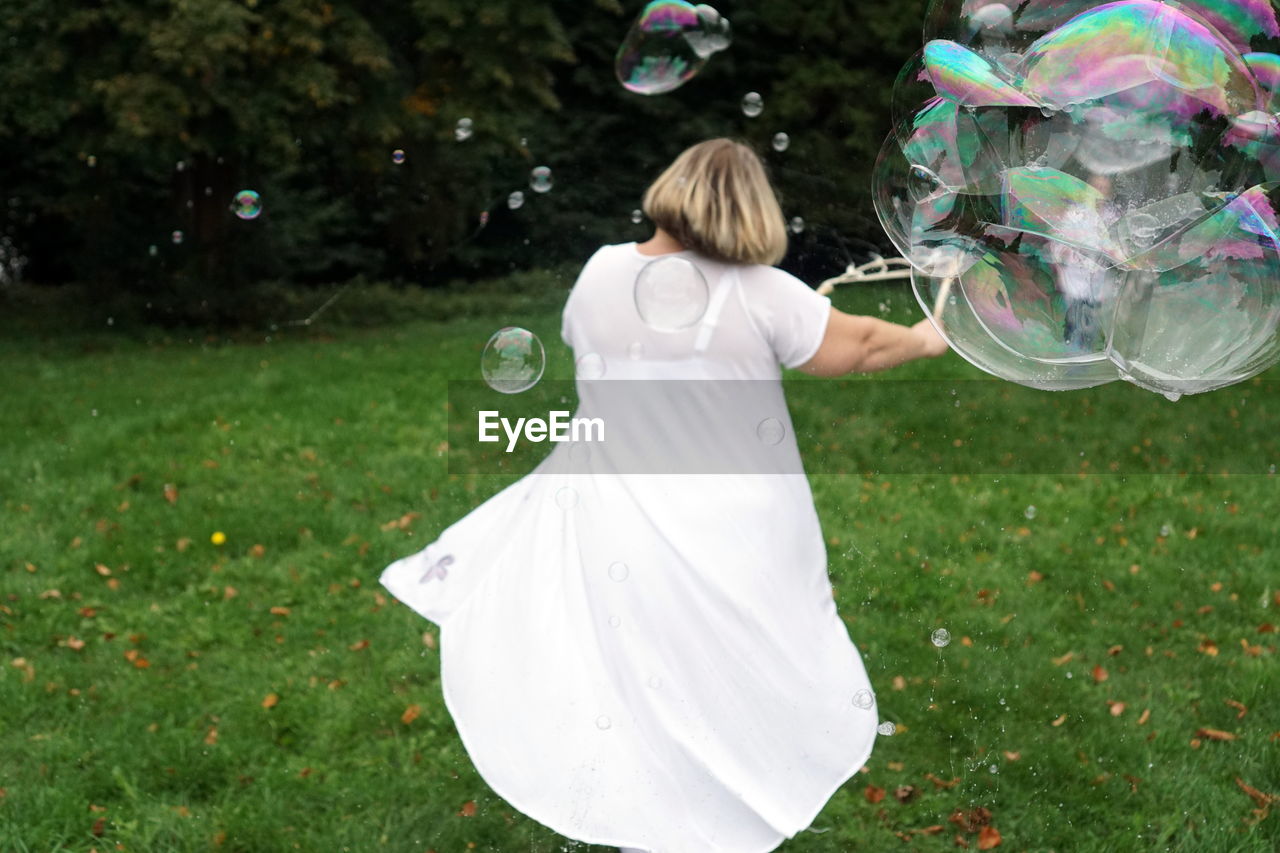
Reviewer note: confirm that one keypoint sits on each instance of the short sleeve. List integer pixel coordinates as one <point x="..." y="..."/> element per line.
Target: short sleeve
<point x="790" y="315"/>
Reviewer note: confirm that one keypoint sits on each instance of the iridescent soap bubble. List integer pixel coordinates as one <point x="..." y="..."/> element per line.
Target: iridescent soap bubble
<point x="796" y="225"/>
<point x="247" y="204"/>
<point x="1088" y="191"/>
<point x="540" y="179"/>
<point x="515" y="201"/>
<point x="463" y="129"/>
<point x="637" y="216"/>
<point x="177" y="238"/>
<point x="781" y="142"/>
<point x="668" y="44"/>
<point x="940" y="638"/>
<point x="513" y="360"/>
<point x="619" y="572"/>
<point x="671" y="294"/>
<point x="752" y="104"/>
<point x="397" y="156"/>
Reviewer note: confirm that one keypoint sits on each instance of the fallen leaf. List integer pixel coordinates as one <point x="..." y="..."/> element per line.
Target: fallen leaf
<point x="970" y="820"/>
<point x="410" y="714"/>
<point x="1059" y="661"/>
<point x="257" y="551"/>
<point x="429" y="639"/>
<point x="1146" y="715"/>
<point x="961" y="843"/>
<point x="1116" y="708"/>
<point x="942" y="783"/>
<point x="1059" y="721"/>
<point x="873" y="794"/>
<point x="1115" y="650"/>
<point x="468" y="809"/>
<point x="99" y="827"/>
<point x="989" y="838"/>
<point x="1239" y="706"/>
<point x="1262" y="798"/>
<point x="896" y="766"/>
<point x="211" y="736"/>
<point x="102" y="570"/>
<point x="1034" y="577"/>
<point x="358" y="646"/>
<point x="905" y="793"/>
<point x="270" y="701"/>
<point x="1100" y="674"/>
<point x="1215" y="734"/>
<point x="171" y="493"/>
<point x="75" y="643"/>
<point x="280" y="611"/>
<point x="899" y="683"/>
<point x="183" y="544"/>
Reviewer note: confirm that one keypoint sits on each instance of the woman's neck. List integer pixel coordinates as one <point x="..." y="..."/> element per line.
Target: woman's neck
<point x="661" y="243"/>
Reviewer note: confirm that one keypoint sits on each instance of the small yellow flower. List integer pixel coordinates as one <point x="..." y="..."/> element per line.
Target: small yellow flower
<point x="218" y="537"/>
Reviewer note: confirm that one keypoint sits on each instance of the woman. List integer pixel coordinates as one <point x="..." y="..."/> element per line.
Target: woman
<point x="644" y="652"/>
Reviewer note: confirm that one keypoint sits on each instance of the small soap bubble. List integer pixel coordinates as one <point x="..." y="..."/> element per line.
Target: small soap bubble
<point x="540" y="179"/>
<point x="614" y="621"/>
<point x="770" y="431"/>
<point x="515" y="201"/>
<point x="993" y="769"/>
<point x="590" y="366"/>
<point x="619" y="572"/>
<point x="637" y="216"/>
<point x="153" y="250"/>
<point x="462" y="132"/>
<point x="484" y="218"/>
<point x="177" y="238"/>
<point x="603" y="722"/>
<point x="781" y="142"/>
<point x="1165" y="530"/>
<point x="513" y="360"/>
<point x="636" y="351"/>
<point x="397" y="156"/>
<point x="181" y="166"/>
<point x="1029" y="512"/>
<point x="567" y="498"/>
<point x="247" y="204"/>
<point x="797" y="225"/>
<point x="941" y="638"/>
<point x="671" y="294"/>
<point x="864" y="699"/>
<point x="92" y="161"/>
<point x="752" y="104"/>
<point x="886" y="729"/>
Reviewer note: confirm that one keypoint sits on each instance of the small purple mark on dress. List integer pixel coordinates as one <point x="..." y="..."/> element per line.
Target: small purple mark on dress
<point x="440" y="569"/>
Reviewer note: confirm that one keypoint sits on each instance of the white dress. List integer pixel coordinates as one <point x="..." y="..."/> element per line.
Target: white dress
<point x="655" y="660"/>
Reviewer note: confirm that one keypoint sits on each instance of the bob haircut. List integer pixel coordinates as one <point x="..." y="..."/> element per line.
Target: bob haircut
<point x="717" y="200"/>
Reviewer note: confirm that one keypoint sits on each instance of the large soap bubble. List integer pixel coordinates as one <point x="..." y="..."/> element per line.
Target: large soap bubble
<point x="1088" y="191"/>
<point x="668" y="44"/>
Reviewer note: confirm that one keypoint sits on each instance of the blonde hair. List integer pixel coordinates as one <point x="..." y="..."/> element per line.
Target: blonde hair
<point x="716" y="199"/>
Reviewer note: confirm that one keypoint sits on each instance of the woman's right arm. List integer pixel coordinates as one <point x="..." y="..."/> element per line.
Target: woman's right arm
<point x="857" y="344"/>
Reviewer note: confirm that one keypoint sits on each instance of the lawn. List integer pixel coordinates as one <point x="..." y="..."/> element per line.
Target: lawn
<point x="1104" y="560"/>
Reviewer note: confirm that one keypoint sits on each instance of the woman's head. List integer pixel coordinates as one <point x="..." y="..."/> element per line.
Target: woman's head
<point x="716" y="199"/>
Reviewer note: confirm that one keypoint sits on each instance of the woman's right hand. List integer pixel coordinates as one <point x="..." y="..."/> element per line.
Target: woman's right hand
<point x="935" y="344"/>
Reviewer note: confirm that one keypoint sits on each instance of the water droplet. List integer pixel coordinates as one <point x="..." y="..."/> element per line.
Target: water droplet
<point x="770" y="431"/>
<point x="752" y="104"/>
<point x="619" y="572"/>
<point x="941" y="638"/>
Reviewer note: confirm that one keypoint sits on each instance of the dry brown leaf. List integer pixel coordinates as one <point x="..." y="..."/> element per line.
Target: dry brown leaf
<point x="1115" y="650"/>
<point x="1215" y="734"/>
<point x="257" y="551"/>
<point x="873" y="794"/>
<point x="905" y="793"/>
<point x="1116" y="708"/>
<point x="1034" y="577"/>
<point x="428" y="639"/>
<point x="279" y="611"/>
<point x="970" y="820"/>
<point x="1059" y="721"/>
<point x="270" y="700"/>
<point x="961" y="843"/>
<point x="1012" y="756"/>
<point x="899" y="683"/>
<point x="358" y="646"/>
<point x="1059" y="661"/>
<point x="183" y="544"/>
<point x="989" y="838"/>
<point x="896" y="766"/>
<point x="942" y="783"/>
<point x="1209" y="648"/>
<point x="99" y="827"/>
<point x="211" y="736"/>
<point x="1146" y="715"/>
<point x="468" y="809"/>
<point x="410" y="714"/>
<point x="75" y="643"/>
<point x="1100" y="674"/>
<point x="1239" y="706"/>
<point x="1262" y="798"/>
<point x="171" y="493"/>
<point x="102" y="570"/>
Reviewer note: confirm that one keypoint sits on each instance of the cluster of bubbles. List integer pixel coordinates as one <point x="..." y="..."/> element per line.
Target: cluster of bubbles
<point x="668" y="44"/>
<point x="1088" y="191"/>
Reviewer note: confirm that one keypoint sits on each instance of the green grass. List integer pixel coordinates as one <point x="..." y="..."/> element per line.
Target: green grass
<point x="310" y="448"/>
